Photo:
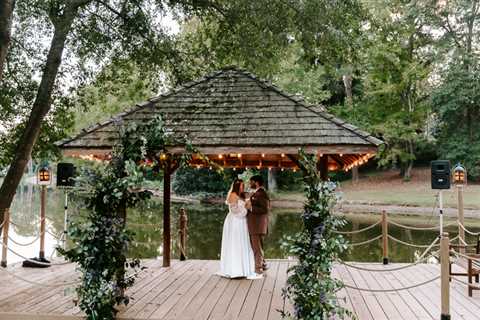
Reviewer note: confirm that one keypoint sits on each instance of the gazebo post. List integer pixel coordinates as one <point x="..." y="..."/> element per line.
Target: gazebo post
<point x="322" y="166"/>
<point x="167" y="175"/>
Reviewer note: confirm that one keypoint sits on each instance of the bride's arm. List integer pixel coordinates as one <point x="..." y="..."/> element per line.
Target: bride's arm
<point x="239" y="210"/>
<point x="236" y="208"/>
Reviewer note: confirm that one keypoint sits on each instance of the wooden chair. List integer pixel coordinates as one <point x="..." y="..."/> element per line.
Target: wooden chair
<point x="473" y="266"/>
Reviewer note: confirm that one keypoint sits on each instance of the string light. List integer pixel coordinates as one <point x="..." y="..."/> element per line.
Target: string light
<point x="263" y="155"/>
<point x="239" y="155"/>
<point x="234" y="169"/>
<point x="220" y="156"/>
<point x="283" y="155"/>
<point x="341" y="154"/>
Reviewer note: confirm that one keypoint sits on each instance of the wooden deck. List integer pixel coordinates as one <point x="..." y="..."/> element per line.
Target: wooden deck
<point x="191" y="290"/>
<point x="422" y="302"/>
<point x="188" y="290"/>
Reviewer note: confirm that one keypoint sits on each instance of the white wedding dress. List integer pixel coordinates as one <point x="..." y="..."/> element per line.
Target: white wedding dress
<point x="236" y="259"/>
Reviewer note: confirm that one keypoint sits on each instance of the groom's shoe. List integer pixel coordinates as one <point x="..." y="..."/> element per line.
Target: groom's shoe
<point x="265" y="267"/>
<point x="255" y="276"/>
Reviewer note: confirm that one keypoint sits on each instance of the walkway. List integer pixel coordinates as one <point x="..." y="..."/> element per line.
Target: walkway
<point x="421" y="302"/>
<point x="186" y="291"/>
<point x="191" y="290"/>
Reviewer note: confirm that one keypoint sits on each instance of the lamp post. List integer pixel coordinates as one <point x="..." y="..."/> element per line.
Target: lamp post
<point x="460" y="178"/>
<point x="44" y="178"/>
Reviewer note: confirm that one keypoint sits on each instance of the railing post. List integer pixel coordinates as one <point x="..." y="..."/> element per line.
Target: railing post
<point x="385" y="237"/>
<point x="183" y="234"/>
<point x="461" y="219"/>
<point x="445" y="276"/>
<point x="6" y="225"/>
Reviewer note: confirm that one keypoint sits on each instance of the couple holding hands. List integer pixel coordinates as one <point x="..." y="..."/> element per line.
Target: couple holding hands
<point x="244" y="229"/>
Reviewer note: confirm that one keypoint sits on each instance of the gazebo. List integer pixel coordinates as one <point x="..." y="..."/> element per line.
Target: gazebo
<point x="238" y="121"/>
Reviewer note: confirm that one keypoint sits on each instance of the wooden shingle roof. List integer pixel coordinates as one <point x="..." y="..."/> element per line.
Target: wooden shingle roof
<point x="232" y="111"/>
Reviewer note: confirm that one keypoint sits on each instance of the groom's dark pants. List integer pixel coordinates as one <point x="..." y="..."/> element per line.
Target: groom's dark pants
<point x="257" y="246"/>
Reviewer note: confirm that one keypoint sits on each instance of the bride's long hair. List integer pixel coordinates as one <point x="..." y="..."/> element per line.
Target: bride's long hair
<point x="235" y="188"/>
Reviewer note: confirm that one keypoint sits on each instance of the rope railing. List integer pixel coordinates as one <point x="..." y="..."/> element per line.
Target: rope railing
<point x="20" y="225"/>
<point x="408" y="243"/>
<point x="466" y="256"/>
<point x="418" y="261"/>
<point x="468" y="231"/>
<point x="24" y="244"/>
<point x="57" y="237"/>
<point x="394" y="289"/>
<point x="423" y="257"/>
<point x="360" y="230"/>
<point x="397" y="224"/>
<point x="354" y="244"/>
<point x="34" y="261"/>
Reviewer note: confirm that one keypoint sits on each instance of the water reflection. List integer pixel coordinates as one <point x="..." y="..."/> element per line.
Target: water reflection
<point x="205" y="230"/>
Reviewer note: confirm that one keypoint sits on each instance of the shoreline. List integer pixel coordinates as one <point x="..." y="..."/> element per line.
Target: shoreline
<point x="348" y="207"/>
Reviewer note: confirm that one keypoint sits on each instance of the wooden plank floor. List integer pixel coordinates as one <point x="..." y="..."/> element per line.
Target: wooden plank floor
<point x="422" y="302"/>
<point x="191" y="290"/>
<point x="188" y="290"/>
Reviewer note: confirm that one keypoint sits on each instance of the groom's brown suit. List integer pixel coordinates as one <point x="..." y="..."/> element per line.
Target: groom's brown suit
<point x="257" y="221"/>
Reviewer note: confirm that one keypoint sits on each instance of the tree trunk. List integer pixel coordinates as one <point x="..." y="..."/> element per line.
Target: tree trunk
<point x="347" y="82"/>
<point x="40" y="108"/>
<point x="6" y="16"/>
<point x="407" y="169"/>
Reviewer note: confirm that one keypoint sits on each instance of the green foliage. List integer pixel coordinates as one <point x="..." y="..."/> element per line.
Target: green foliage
<point x="190" y="181"/>
<point x="298" y="77"/>
<point x="289" y="181"/>
<point x="310" y="285"/>
<point x="394" y="103"/>
<point x="119" y="86"/>
<point x="457" y="104"/>
<point x="101" y="240"/>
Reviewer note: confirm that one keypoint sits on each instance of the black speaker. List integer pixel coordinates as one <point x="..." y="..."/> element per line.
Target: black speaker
<point x="65" y="174"/>
<point x="440" y="174"/>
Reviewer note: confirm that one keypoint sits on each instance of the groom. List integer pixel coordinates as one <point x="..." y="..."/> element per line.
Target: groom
<point x="257" y="220"/>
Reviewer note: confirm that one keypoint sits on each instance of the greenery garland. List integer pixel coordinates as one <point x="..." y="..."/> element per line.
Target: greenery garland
<point x="310" y="285"/>
<point x="101" y="239"/>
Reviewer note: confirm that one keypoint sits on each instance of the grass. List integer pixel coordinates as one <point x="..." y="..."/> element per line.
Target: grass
<point x="388" y="188"/>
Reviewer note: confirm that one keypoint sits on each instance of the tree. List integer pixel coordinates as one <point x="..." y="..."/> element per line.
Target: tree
<point x="456" y="103"/>
<point x="455" y="100"/>
<point x="396" y="87"/>
<point x="119" y="86"/>
<point x="91" y="30"/>
<point x="6" y="13"/>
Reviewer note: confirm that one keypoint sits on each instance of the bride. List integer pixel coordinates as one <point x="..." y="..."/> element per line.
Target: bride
<point x="236" y="259"/>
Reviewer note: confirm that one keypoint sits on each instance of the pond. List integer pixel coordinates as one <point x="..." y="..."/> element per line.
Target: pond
<point x="205" y="230"/>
